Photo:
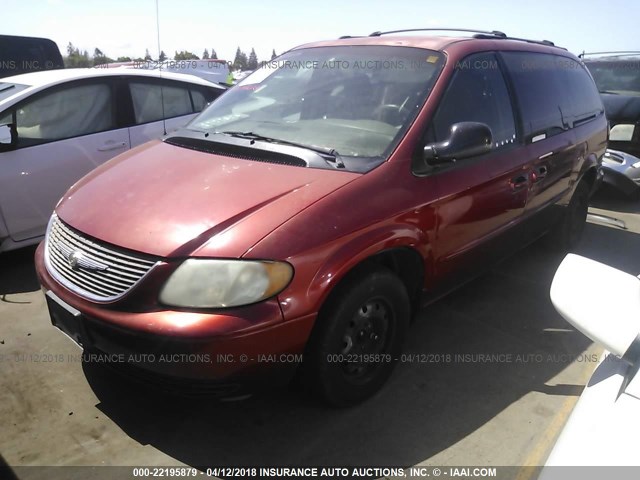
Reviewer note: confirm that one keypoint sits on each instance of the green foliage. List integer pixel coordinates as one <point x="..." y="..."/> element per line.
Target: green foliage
<point x="240" y="62"/>
<point x="185" y="55"/>
<point x="99" y="58"/>
<point x="76" y="58"/>
<point x="252" y="64"/>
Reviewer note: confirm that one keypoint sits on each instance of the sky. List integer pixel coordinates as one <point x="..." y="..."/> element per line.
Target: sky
<point x="128" y="27"/>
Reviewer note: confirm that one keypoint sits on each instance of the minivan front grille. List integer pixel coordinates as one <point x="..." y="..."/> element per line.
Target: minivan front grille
<point x="90" y="269"/>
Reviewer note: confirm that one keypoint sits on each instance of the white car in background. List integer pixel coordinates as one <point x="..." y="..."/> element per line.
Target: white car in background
<point x="58" y="125"/>
<point x="603" y="427"/>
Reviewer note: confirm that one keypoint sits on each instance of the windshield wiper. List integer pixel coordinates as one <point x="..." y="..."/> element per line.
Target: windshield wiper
<point x="610" y="92"/>
<point x="330" y="155"/>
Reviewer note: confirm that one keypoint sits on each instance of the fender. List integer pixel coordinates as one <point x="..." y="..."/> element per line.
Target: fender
<point x="591" y="172"/>
<point x="349" y="253"/>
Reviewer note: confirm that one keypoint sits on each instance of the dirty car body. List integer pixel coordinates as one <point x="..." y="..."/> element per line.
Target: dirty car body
<point x="303" y="215"/>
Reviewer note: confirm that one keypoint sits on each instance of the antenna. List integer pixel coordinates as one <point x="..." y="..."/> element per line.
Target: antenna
<point x="164" y="122"/>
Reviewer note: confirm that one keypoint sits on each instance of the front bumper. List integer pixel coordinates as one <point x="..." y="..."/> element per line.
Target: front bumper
<point x="245" y="345"/>
<point x="620" y="173"/>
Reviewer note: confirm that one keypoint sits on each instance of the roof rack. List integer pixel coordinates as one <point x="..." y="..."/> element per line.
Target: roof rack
<point x="494" y="33"/>
<point x="620" y="53"/>
<point x="485" y="34"/>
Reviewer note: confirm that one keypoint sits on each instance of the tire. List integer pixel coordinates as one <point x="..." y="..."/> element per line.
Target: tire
<point x="567" y="234"/>
<point x="367" y="315"/>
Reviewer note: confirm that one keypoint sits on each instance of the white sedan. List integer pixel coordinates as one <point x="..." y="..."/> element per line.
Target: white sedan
<point x="58" y="125"/>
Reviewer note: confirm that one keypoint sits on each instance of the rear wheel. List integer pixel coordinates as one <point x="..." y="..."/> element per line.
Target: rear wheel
<point x="358" y="338"/>
<point x="567" y="234"/>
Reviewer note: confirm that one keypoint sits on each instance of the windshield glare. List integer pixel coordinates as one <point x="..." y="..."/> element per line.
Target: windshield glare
<point x="616" y="76"/>
<point x="357" y="100"/>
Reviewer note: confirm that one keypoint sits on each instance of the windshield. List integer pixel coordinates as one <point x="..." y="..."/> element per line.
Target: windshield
<point x="619" y="76"/>
<point x="356" y="101"/>
<point x="9" y="89"/>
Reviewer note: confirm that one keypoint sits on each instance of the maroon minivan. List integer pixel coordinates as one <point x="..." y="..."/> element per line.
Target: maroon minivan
<point x="301" y="218"/>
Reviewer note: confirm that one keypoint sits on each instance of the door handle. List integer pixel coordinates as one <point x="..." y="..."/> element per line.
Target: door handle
<point x="111" y="146"/>
<point x="518" y="182"/>
<point x="539" y="173"/>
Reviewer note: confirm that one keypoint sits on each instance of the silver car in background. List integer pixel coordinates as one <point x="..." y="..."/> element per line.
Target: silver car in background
<point x="58" y="125"/>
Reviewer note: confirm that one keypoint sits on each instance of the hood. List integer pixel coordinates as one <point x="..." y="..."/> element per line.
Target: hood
<point x="621" y="108"/>
<point x="170" y="201"/>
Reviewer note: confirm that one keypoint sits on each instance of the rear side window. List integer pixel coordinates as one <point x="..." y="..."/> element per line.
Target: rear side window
<point x="477" y="93"/>
<point x="585" y="102"/>
<point x="554" y="93"/>
<point x="148" y="101"/>
<point x="65" y="113"/>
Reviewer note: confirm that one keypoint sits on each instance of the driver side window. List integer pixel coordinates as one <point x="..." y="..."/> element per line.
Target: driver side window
<point x="65" y="113"/>
<point x="477" y="93"/>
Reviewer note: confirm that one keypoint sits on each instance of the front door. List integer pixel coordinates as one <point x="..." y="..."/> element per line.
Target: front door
<point x="480" y="199"/>
<point x="63" y="133"/>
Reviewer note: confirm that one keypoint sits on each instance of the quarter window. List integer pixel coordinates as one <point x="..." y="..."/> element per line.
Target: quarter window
<point x="585" y="102"/>
<point x="148" y="100"/>
<point x="554" y="93"/>
<point x="66" y="113"/>
<point x="477" y="93"/>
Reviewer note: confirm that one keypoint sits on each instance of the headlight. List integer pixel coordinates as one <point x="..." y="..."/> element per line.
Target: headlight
<point x="204" y="283"/>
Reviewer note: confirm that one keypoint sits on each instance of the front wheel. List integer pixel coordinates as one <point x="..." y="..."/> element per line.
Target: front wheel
<point x="358" y="338"/>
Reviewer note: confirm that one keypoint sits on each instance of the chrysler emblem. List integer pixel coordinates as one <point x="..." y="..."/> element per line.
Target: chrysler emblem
<point x="74" y="259"/>
<point x="78" y="260"/>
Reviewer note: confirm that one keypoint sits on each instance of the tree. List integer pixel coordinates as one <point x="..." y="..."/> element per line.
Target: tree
<point x="185" y="55"/>
<point x="214" y="55"/>
<point x="76" y="58"/>
<point x="123" y="59"/>
<point x="240" y="62"/>
<point x="163" y="56"/>
<point x="147" y="55"/>
<point x="205" y="54"/>
<point x="99" y="58"/>
<point x="252" y="64"/>
<point x="273" y="54"/>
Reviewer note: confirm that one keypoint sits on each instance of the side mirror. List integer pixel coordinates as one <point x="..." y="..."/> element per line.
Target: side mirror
<point x="612" y="316"/>
<point x="8" y="137"/>
<point x="466" y="139"/>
